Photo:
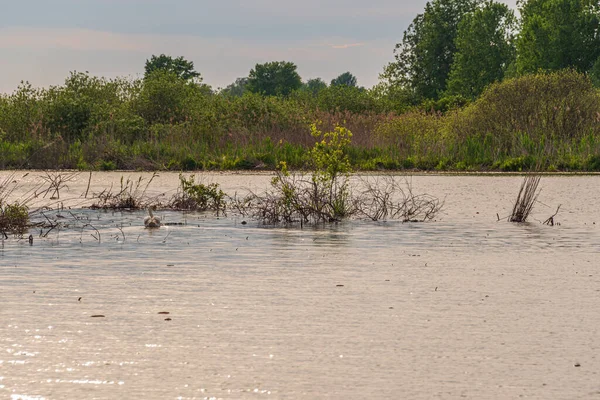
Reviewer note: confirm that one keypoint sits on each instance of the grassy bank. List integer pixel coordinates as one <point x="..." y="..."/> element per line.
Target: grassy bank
<point x="548" y="122"/>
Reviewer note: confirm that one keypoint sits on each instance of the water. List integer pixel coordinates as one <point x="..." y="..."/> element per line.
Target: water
<point x="462" y="307"/>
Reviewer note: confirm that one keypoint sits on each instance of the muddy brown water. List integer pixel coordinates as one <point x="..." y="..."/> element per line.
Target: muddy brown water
<point x="463" y="307"/>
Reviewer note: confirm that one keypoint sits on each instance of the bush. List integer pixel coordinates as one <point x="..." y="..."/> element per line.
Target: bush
<point x="13" y="217"/>
<point x="198" y="197"/>
<point x="557" y="106"/>
<point x="189" y="164"/>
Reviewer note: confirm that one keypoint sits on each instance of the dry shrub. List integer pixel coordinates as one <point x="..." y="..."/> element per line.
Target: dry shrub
<point x="392" y="197"/>
<point x="131" y="196"/>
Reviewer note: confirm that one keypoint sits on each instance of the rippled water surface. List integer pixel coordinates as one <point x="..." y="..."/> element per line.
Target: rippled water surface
<point x="465" y="306"/>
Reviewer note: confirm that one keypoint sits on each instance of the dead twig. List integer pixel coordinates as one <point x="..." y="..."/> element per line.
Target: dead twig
<point x="98" y="238"/>
<point x="550" y="221"/>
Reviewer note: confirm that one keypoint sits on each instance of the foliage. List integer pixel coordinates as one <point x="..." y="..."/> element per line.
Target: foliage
<point x="347" y="98"/>
<point x="329" y="154"/>
<point x="345" y="79"/>
<point x="545" y="108"/>
<point x="549" y="121"/>
<point x="484" y="49"/>
<point x="322" y="197"/>
<point x="81" y="104"/>
<point x="13" y="217"/>
<point x="425" y="56"/>
<point x="314" y="86"/>
<point x="178" y="66"/>
<point x="198" y="196"/>
<point x="21" y="113"/>
<point x="236" y="89"/>
<point x="557" y="34"/>
<point x="276" y="78"/>
<point x="166" y="98"/>
<point x="326" y="196"/>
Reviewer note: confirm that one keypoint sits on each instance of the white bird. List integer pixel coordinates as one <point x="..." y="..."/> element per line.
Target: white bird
<point x="151" y="221"/>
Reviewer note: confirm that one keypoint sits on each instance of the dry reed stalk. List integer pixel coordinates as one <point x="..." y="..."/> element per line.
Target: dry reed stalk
<point x="527" y="197"/>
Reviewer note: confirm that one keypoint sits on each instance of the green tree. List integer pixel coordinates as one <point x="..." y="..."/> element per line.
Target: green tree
<point x="557" y="34"/>
<point x="346" y="79"/>
<point x="166" y="98"/>
<point x="179" y="66"/>
<point x="314" y="86"/>
<point x="424" y="57"/>
<point x="276" y="78"/>
<point x="237" y="88"/>
<point x="74" y="109"/>
<point x="485" y="48"/>
<point x="347" y="98"/>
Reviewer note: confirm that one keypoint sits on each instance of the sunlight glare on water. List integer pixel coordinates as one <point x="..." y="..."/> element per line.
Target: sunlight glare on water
<point x="466" y="306"/>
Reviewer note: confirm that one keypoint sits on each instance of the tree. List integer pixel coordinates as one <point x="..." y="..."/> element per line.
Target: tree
<point x="237" y="88"/>
<point x="557" y="34"/>
<point x="179" y="66"/>
<point x="276" y="78"/>
<point x="346" y="79"/>
<point x="166" y="98"/>
<point x="314" y="86"/>
<point x="484" y="49"/>
<point x="424" y="57"/>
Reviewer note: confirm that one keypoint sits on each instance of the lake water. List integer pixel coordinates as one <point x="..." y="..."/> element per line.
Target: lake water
<point x="463" y="307"/>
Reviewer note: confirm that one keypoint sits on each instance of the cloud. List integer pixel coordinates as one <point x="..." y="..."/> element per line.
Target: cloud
<point x="346" y="46"/>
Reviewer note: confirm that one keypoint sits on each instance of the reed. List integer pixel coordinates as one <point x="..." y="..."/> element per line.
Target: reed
<point x="526" y="199"/>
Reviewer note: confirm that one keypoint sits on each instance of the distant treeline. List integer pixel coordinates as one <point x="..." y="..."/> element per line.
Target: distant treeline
<point x="472" y="88"/>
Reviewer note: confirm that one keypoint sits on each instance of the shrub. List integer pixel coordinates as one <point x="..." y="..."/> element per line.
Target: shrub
<point x="13" y="217"/>
<point x="198" y="196"/>
<point x="557" y="106"/>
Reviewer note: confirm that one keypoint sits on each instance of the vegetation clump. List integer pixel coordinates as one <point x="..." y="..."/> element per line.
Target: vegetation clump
<point x="526" y="199"/>
<point x="13" y="217"/>
<point x="327" y="194"/>
<point x="194" y="196"/>
<point x="391" y="197"/>
<point x="130" y="196"/>
<point x="321" y="196"/>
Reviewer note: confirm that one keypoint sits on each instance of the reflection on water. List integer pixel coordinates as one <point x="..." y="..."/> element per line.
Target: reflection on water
<point x="462" y="307"/>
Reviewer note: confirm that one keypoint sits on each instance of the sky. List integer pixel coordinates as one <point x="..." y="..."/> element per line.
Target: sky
<point x="41" y="41"/>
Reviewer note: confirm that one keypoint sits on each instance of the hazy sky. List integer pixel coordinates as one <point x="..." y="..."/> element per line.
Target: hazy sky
<point x="42" y="40"/>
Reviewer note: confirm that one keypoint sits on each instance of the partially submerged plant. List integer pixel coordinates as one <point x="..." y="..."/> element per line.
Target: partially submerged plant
<point x="325" y="195"/>
<point x="131" y="196"/>
<point x="526" y="199"/>
<point x="198" y="196"/>
<point x="13" y="217"/>
<point x="322" y="196"/>
<point x="387" y="197"/>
